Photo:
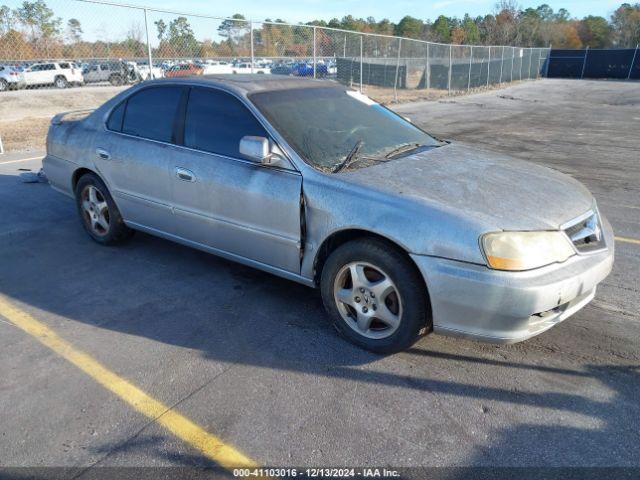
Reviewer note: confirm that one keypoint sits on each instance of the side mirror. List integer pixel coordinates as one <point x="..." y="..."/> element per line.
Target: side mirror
<point x="258" y="149"/>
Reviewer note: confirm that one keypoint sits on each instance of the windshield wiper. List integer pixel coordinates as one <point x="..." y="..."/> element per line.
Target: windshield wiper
<point x="405" y="147"/>
<point x="351" y="157"/>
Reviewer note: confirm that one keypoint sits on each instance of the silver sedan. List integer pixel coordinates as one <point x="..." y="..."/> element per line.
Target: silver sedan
<point x="403" y="233"/>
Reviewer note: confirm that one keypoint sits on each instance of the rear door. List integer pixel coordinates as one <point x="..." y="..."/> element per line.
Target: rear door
<point x="48" y="73"/>
<point x="226" y="201"/>
<point x="137" y="152"/>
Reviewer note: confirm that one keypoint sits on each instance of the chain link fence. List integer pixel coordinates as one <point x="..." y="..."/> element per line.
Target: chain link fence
<point x="94" y="42"/>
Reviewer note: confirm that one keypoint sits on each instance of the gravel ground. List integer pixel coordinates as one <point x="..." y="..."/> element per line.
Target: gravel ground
<point x="251" y="357"/>
<point x="25" y="114"/>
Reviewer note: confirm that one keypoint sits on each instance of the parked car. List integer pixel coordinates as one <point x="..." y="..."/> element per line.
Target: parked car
<point x="60" y="74"/>
<point x="215" y="67"/>
<point x="306" y="70"/>
<point x="404" y="234"/>
<point x="184" y="70"/>
<point x="245" y="67"/>
<point x="11" y="78"/>
<point x="145" y="74"/>
<point x="282" y="69"/>
<point x="115" y="72"/>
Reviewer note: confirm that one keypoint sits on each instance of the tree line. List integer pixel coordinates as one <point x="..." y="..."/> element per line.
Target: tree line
<point x="511" y="25"/>
<point x="33" y="30"/>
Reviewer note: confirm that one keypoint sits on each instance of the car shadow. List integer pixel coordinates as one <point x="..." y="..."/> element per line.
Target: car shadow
<point x="174" y="295"/>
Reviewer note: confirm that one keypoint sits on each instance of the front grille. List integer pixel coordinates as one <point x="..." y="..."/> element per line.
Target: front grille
<point x="586" y="233"/>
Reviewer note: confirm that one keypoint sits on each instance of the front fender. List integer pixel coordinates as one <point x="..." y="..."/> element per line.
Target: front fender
<point x="333" y="205"/>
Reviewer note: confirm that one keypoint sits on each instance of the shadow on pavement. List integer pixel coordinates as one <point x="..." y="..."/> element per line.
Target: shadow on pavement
<point x="174" y="295"/>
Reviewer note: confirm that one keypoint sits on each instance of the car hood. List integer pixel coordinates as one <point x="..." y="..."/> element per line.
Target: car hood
<point x="496" y="190"/>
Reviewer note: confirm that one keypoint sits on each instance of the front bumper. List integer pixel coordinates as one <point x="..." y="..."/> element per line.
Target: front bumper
<point x="507" y="307"/>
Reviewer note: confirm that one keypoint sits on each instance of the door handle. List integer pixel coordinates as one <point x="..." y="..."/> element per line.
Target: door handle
<point x="103" y="154"/>
<point x="185" y="175"/>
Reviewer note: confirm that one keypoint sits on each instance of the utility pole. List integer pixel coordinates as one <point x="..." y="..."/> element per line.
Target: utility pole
<point x="146" y="28"/>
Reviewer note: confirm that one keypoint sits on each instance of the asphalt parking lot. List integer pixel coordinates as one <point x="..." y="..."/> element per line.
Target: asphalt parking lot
<point x="250" y="358"/>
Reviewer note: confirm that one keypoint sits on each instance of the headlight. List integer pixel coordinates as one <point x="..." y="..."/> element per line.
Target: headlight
<point x="525" y="250"/>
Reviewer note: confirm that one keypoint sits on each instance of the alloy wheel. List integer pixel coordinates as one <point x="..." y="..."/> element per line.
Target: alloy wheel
<point x="368" y="300"/>
<point x="95" y="210"/>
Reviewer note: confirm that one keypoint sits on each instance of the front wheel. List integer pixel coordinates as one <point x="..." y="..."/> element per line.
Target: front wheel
<point x="99" y="214"/>
<point x="375" y="296"/>
<point x="4" y="85"/>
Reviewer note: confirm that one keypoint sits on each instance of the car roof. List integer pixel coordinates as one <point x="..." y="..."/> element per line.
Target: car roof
<point x="249" y="83"/>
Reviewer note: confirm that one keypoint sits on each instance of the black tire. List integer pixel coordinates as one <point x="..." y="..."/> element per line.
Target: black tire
<point x="117" y="231"/>
<point x="415" y="318"/>
<point x="61" y="82"/>
<point x="4" y="85"/>
<point x="115" y="80"/>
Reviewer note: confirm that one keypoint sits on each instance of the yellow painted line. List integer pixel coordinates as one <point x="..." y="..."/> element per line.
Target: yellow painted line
<point x="627" y="240"/>
<point x="211" y="446"/>
<point x="21" y="160"/>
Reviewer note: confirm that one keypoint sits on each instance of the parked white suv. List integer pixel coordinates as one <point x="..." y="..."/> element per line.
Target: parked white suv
<point x="60" y="74"/>
<point x="10" y="78"/>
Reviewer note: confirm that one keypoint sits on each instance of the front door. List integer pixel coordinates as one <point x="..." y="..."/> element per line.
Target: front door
<point x="228" y="202"/>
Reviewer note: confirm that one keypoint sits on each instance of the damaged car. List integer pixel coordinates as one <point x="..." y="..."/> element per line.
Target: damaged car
<point x="404" y="234"/>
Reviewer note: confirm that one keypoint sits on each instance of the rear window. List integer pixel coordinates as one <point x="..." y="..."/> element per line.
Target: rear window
<point x="151" y="113"/>
<point x="115" y="120"/>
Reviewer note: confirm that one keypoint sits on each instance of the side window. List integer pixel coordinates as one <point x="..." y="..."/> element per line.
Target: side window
<point x="115" y="119"/>
<point x="49" y="66"/>
<point x="64" y="66"/>
<point x="151" y="113"/>
<point x="216" y="121"/>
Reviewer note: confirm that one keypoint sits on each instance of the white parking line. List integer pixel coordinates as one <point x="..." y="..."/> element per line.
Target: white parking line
<point x="21" y="160"/>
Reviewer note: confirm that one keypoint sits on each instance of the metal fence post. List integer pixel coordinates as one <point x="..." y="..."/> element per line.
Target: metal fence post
<point x="513" y="60"/>
<point x="395" y="82"/>
<point x="501" y="64"/>
<point x="361" y="61"/>
<point x="470" y="64"/>
<point x="149" y="58"/>
<point x="450" y="67"/>
<point x="344" y="49"/>
<point x="315" y="60"/>
<point x="546" y="68"/>
<point x="428" y="70"/>
<point x="539" y="58"/>
<point x="584" y="63"/>
<point x="633" y="61"/>
<point x="488" y="68"/>
<point x="530" y="59"/>
<point x="251" y="40"/>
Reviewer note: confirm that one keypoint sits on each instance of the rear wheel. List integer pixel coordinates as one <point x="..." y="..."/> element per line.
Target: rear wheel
<point x="4" y="85"/>
<point x="99" y="214"/>
<point x="61" y="82"/>
<point x="375" y="296"/>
